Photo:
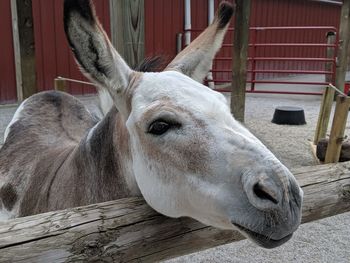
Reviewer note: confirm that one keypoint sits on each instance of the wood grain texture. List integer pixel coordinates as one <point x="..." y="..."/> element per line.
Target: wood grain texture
<point x="324" y="115"/>
<point x="127" y="29"/>
<point x="27" y="47"/>
<point x="344" y="40"/>
<point x="336" y="137"/>
<point x="60" y="84"/>
<point x="240" y="58"/>
<point x="328" y="94"/>
<point x="128" y="230"/>
<point x="330" y="53"/>
<point x="17" y="50"/>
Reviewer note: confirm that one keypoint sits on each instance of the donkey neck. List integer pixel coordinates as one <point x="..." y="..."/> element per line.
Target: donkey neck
<point x="106" y="154"/>
<point x="96" y="169"/>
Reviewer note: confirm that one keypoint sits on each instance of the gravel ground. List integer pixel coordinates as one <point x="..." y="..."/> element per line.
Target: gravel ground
<point x="326" y="240"/>
<point x="290" y="143"/>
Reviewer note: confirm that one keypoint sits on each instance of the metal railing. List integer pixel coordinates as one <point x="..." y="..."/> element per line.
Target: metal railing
<point x="254" y="59"/>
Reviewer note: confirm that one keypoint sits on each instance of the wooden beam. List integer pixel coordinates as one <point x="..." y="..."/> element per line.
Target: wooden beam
<point x="17" y="50"/>
<point x="331" y="54"/>
<point x="344" y="38"/>
<point x="239" y="58"/>
<point x="328" y="94"/>
<point x="117" y="36"/>
<point x="60" y="84"/>
<point x="23" y="39"/>
<point x="128" y="230"/>
<point x="27" y="47"/>
<point x="127" y="29"/>
<point x="336" y="137"/>
<point x="324" y="115"/>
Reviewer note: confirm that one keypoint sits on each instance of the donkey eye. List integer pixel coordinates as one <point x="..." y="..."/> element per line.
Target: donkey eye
<point x="159" y="127"/>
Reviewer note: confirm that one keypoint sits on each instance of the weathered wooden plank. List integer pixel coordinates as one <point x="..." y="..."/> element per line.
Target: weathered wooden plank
<point x="240" y="58"/>
<point x="27" y="47"/>
<point x="60" y="84"/>
<point x="127" y="230"/>
<point x="338" y="129"/>
<point x="17" y="50"/>
<point x="117" y="37"/>
<point x="127" y="29"/>
<point x="344" y="40"/>
<point x="324" y="115"/>
<point x="331" y="52"/>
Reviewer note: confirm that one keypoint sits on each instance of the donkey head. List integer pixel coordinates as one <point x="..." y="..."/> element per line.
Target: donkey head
<point x="190" y="156"/>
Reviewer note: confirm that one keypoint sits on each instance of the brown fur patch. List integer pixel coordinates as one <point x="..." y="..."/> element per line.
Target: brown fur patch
<point x="122" y="137"/>
<point x="9" y="196"/>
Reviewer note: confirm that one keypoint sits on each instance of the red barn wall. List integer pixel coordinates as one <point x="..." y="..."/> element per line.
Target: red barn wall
<point x="52" y="54"/>
<point x="164" y="19"/>
<point x="8" y="91"/>
<point x="266" y="13"/>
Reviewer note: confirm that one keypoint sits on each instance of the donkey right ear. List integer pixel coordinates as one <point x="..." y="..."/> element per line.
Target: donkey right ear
<point x="196" y="59"/>
<point x="92" y="49"/>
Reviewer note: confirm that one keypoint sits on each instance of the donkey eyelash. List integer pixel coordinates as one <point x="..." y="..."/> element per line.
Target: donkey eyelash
<point x="168" y="125"/>
<point x="172" y="123"/>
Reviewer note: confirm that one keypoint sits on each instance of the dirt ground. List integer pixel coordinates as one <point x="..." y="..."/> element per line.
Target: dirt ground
<point x="326" y="240"/>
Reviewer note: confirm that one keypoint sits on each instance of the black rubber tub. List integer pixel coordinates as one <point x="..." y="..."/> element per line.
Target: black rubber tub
<point x="289" y="115"/>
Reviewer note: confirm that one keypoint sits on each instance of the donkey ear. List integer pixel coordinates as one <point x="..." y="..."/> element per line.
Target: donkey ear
<point x="196" y="59"/>
<point x="99" y="61"/>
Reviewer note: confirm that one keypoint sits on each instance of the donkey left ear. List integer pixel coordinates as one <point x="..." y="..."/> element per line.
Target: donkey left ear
<point x="196" y="59"/>
<point x="92" y="49"/>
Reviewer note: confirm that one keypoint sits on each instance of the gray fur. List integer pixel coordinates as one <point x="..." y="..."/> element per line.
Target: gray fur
<point x="47" y="153"/>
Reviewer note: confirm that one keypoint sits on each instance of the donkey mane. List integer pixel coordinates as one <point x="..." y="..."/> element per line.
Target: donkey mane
<point x="151" y="64"/>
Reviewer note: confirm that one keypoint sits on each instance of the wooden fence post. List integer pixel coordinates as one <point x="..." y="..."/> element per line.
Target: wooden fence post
<point x="328" y="95"/>
<point x="344" y="38"/>
<point x="338" y="128"/>
<point x="239" y="60"/>
<point x="60" y="84"/>
<point x="324" y="115"/>
<point x="27" y="47"/>
<point x="17" y="50"/>
<point x="127" y="29"/>
<point x="23" y="39"/>
<point x="331" y="66"/>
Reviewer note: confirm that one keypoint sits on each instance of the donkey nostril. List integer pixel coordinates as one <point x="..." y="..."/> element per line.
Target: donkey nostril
<point x="263" y="192"/>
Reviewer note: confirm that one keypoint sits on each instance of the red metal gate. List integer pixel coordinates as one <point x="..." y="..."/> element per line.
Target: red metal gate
<point x="281" y="61"/>
<point x="287" y="38"/>
<point x="8" y="91"/>
<point x="267" y="14"/>
<point x="52" y="54"/>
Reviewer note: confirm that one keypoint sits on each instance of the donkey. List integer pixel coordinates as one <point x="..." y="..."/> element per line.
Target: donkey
<point x="167" y="138"/>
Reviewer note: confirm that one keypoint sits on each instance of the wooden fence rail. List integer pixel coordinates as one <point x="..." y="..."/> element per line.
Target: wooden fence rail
<point x="128" y="230"/>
